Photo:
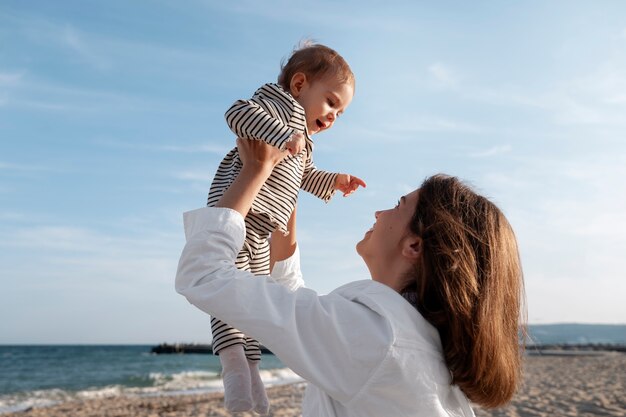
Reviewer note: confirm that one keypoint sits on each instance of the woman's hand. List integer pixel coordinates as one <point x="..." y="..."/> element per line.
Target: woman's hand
<point x="258" y="155"/>
<point x="296" y="144"/>
<point x="259" y="159"/>
<point x="283" y="247"/>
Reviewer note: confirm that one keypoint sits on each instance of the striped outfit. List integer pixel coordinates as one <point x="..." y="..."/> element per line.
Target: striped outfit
<point x="273" y="116"/>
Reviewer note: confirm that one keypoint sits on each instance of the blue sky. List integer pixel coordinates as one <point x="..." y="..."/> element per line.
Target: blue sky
<point x="111" y="125"/>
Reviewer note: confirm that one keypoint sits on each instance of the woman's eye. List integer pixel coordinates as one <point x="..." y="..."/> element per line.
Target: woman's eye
<point x="397" y="204"/>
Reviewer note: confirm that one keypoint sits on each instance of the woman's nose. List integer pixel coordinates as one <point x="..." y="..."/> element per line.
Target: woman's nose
<point x="376" y="213"/>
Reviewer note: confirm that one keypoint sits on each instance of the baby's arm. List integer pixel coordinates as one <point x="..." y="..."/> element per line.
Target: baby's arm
<point x="323" y="184"/>
<point x="317" y="182"/>
<point x="257" y="119"/>
<point x="285" y="257"/>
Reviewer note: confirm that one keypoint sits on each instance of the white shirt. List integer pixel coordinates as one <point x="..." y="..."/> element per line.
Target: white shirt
<point x="364" y="350"/>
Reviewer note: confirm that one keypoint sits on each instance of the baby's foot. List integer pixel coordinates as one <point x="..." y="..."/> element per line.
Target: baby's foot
<point x="259" y="396"/>
<point x="236" y="377"/>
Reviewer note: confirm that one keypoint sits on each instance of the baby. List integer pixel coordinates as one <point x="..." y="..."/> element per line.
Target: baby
<point x="314" y="87"/>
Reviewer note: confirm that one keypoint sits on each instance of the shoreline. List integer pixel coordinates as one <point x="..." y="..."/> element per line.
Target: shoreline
<point x="569" y="385"/>
<point x="534" y="348"/>
<point x="285" y="401"/>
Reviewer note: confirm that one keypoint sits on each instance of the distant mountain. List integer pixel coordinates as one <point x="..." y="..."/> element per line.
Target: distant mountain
<point x="574" y="333"/>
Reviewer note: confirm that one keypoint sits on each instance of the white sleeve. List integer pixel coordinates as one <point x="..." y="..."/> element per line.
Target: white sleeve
<point x="287" y="272"/>
<point x="330" y="341"/>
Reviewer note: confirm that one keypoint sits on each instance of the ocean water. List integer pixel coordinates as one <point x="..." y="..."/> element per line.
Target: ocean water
<point x="577" y="333"/>
<point x="35" y="376"/>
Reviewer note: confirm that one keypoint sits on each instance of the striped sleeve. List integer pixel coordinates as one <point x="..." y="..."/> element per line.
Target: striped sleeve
<point x="261" y="118"/>
<point x="317" y="182"/>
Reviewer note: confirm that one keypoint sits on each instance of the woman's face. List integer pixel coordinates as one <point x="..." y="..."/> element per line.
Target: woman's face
<point x="381" y="247"/>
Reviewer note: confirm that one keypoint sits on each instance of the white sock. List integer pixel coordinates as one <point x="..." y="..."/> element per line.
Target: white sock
<point x="259" y="396"/>
<point x="236" y="377"/>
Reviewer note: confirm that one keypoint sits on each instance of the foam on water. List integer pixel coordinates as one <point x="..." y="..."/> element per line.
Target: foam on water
<point x="181" y="383"/>
<point x="280" y="376"/>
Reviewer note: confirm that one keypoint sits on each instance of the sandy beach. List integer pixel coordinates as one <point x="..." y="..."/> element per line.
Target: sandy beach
<point x="593" y="385"/>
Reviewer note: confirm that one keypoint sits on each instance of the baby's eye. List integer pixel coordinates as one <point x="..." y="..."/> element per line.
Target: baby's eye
<point x="330" y="102"/>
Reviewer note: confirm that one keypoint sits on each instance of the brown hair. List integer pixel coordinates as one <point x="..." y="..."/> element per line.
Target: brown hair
<point x="315" y="61"/>
<point x="469" y="285"/>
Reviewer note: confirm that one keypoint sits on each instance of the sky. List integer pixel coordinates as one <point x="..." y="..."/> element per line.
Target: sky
<point x="112" y="125"/>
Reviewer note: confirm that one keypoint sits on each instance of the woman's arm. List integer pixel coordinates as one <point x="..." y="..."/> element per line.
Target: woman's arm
<point x="259" y="159"/>
<point x="330" y="340"/>
<point x="285" y="257"/>
<point x="283" y="247"/>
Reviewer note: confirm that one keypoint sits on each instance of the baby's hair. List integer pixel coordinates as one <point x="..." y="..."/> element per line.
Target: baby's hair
<point x="315" y="61"/>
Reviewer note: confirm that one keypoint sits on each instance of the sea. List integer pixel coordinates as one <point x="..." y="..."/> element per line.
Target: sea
<point x="39" y="375"/>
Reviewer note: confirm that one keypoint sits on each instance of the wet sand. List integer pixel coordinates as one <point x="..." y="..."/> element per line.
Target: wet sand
<point x="571" y="385"/>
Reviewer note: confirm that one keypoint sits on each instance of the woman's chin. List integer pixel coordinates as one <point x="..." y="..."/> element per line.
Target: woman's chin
<point x="360" y="246"/>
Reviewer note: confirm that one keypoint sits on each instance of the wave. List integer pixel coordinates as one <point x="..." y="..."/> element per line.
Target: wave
<point x="153" y="384"/>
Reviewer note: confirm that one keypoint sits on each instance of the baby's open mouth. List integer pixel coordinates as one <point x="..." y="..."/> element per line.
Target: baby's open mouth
<point x="319" y="124"/>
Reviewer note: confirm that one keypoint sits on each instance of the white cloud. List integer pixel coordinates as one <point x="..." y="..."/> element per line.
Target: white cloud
<point x="73" y="254"/>
<point x="46" y="105"/>
<point x="605" y="86"/>
<point x="53" y="237"/>
<point x="596" y="99"/>
<point x="106" y="52"/>
<point x="505" y="181"/>
<point x="400" y="130"/>
<point x="209" y="148"/>
<point x="213" y="148"/>
<point x="54" y="271"/>
<point x="76" y="42"/>
<point x="10" y="79"/>
<point x="47" y="31"/>
<point x="20" y="167"/>
<point x="47" y="96"/>
<point x="617" y="99"/>
<point x="202" y="176"/>
<point x="379" y="21"/>
<point x="493" y="151"/>
<point x="442" y="74"/>
<point x="404" y="188"/>
<point x="12" y="216"/>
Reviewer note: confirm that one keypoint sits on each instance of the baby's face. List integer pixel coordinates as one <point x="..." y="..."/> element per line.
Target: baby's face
<point x="323" y="101"/>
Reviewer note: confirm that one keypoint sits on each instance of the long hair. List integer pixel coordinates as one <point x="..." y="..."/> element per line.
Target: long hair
<point x="469" y="285"/>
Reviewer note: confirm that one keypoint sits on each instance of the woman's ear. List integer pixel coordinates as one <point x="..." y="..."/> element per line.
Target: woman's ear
<point x="412" y="247"/>
<point x="297" y="84"/>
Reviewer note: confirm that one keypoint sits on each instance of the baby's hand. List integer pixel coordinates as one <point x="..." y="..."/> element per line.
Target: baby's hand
<point x="296" y="144"/>
<point x="348" y="184"/>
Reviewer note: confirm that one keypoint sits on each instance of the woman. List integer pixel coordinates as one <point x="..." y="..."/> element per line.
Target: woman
<point x="435" y="328"/>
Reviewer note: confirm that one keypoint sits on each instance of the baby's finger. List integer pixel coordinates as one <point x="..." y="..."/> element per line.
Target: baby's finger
<point x="359" y="181"/>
